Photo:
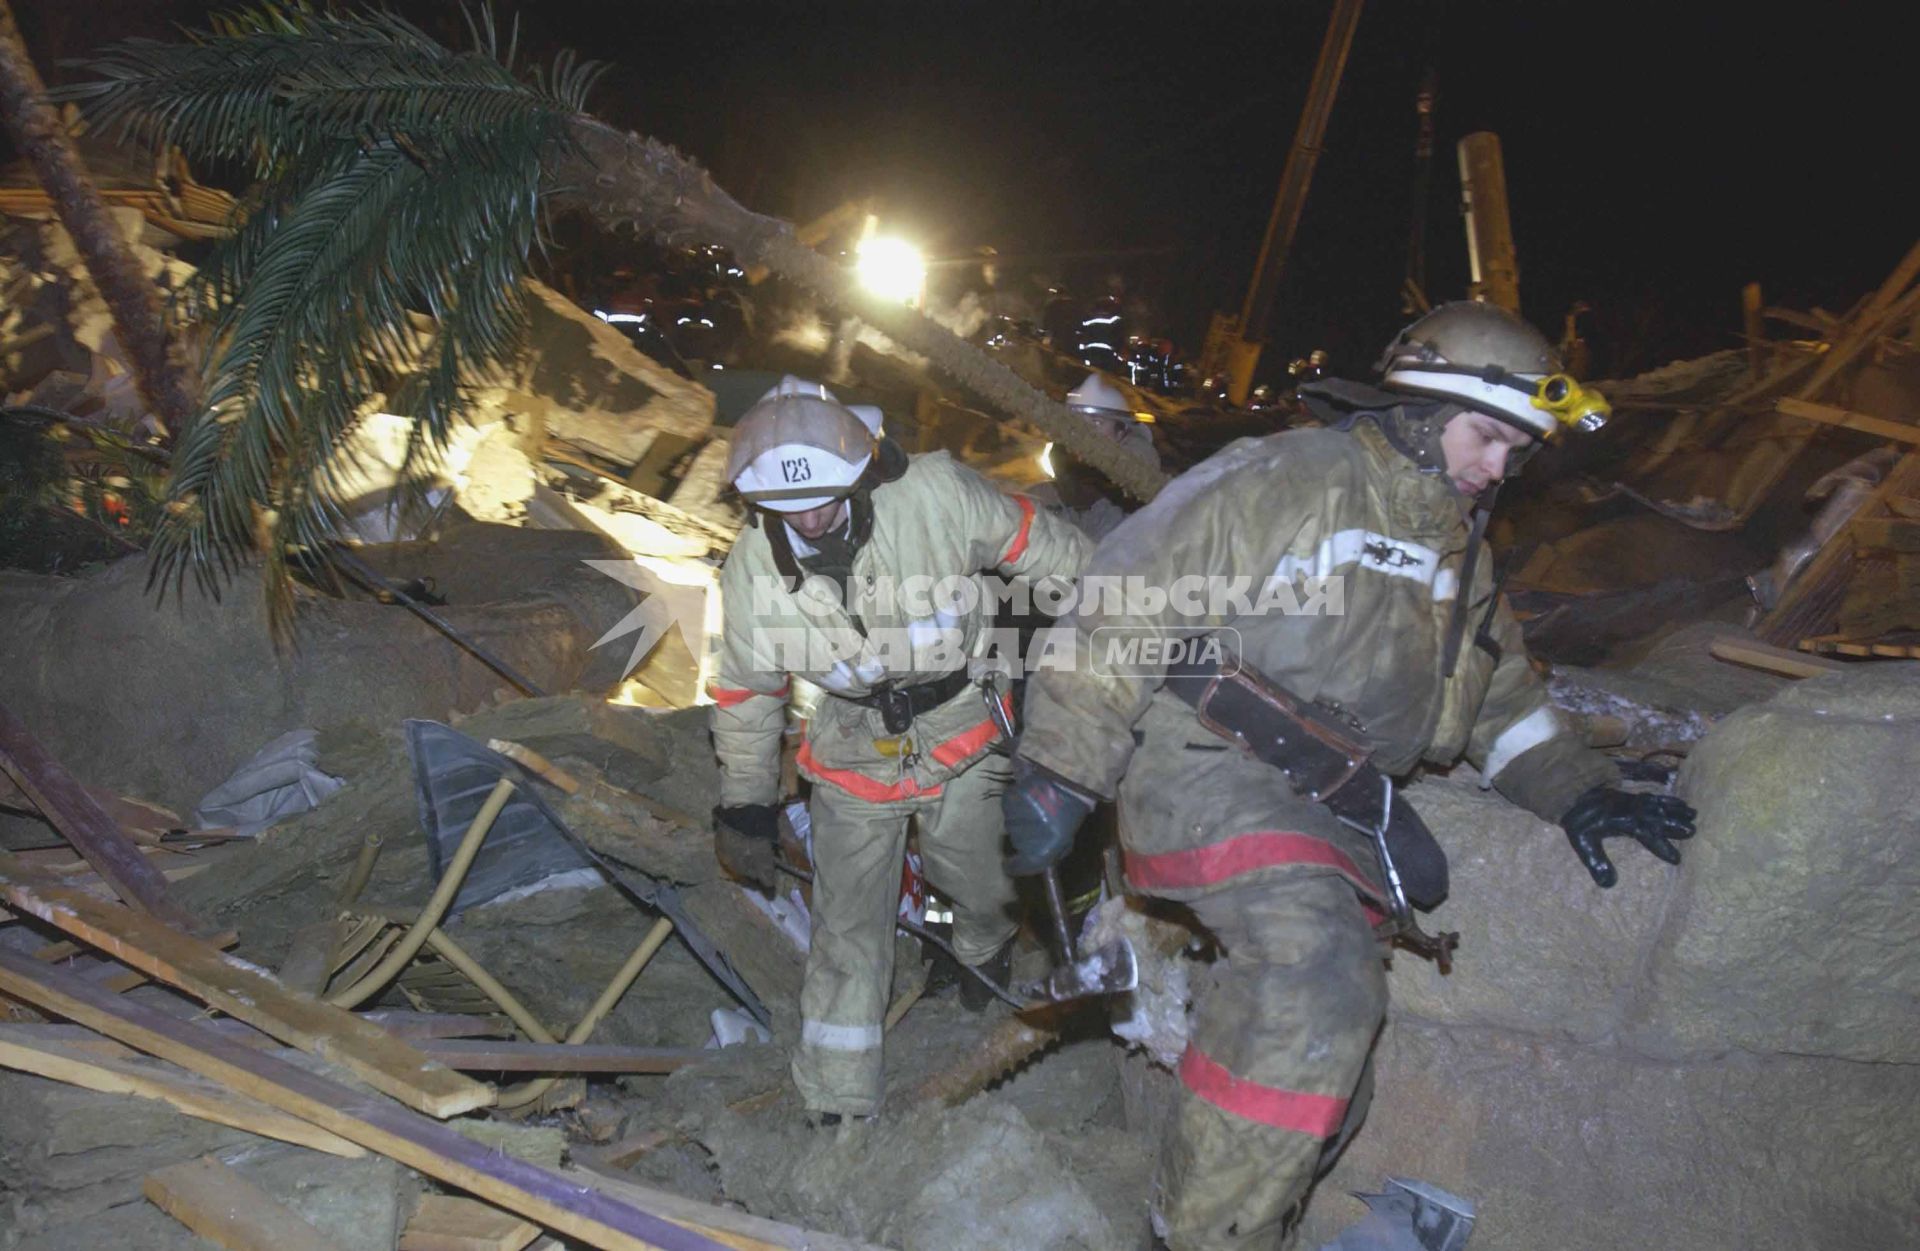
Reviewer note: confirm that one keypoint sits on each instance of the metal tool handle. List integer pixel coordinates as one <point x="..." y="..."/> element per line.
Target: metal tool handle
<point x="1057" y="909"/>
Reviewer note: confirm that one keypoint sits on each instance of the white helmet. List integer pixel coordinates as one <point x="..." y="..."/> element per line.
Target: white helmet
<point x="1489" y="360"/>
<point x="799" y="448"/>
<point x="1096" y="397"/>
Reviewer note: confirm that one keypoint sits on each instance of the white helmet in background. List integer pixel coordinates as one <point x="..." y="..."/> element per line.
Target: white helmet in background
<point x="1486" y="358"/>
<point x="1096" y="397"/>
<point x="799" y="448"/>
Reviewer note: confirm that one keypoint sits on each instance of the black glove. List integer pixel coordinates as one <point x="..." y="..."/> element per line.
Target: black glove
<point x="1607" y="812"/>
<point x="1042" y="816"/>
<point x="744" y="839"/>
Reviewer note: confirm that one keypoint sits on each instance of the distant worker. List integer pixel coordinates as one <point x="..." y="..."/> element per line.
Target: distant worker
<point x="1079" y="493"/>
<point x="1255" y="772"/>
<point x="821" y="584"/>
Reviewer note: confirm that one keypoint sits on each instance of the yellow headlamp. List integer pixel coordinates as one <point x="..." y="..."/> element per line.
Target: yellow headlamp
<point x="1571" y="404"/>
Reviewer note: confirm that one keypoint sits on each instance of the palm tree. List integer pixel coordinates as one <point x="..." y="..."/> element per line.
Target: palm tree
<point x="395" y="176"/>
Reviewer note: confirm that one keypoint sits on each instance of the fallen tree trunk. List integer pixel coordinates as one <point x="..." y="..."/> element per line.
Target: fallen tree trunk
<point x="628" y="180"/>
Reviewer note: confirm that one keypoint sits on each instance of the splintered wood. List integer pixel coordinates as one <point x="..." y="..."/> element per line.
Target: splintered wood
<point x="247" y="993"/>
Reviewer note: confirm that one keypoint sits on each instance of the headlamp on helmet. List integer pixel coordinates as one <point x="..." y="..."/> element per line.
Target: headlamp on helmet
<point x="1490" y="361"/>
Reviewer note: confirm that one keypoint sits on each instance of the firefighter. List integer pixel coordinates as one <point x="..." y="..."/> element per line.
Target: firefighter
<point x="1078" y="493"/>
<point x="1377" y="617"/>
<point x="830" y="582"/>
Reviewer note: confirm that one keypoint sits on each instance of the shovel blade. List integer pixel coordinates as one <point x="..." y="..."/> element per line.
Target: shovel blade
<point x="1112" y="970"/>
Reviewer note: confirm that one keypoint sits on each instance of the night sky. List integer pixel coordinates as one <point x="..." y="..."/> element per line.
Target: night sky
<point x="1658" y="156"/>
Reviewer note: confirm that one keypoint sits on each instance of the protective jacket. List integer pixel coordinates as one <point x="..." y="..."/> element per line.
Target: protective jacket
<point x="905" y="621"/>
<point x="1357" y="557"/>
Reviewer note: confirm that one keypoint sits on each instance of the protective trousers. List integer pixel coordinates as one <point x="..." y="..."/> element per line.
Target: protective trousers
<point x="858" y="849"/>
<point x="1285" y="1017"/>
<point x="1283" y="1027"/>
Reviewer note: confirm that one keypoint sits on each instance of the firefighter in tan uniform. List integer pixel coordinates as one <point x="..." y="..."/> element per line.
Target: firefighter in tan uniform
<point x="853" y="576"/>
<point x="1375" y="610"/>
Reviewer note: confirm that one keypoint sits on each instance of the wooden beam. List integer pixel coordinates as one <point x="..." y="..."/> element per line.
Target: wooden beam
<point x="727" y="1226"/>
<point x="450" y="1223"/>
<point x="1743" y="651"/>
<point x="82" y="822"/>
<point x="407" y="1024"/>
<point x="1892" y="534"/>
<point x="31" y="1050"/>
<point x="1811" y="602"/>
<point x="1751" y="305"/>
<point x="228" y="1210"/>
<point x="244" y="991"/>
<point x="1828" y="415"/>
<point x="480" y="1056"/>
<point x="554" y="1200"/>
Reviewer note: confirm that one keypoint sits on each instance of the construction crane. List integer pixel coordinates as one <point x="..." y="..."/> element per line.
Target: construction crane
<point x="1233" y="343"/>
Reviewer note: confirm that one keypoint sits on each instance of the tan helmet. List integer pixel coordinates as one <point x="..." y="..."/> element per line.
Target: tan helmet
<point x="1489" y="360"/>
<point x="798" y="448"/>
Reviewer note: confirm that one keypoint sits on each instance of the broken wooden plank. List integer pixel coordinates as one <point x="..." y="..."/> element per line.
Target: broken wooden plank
<point x="29" y="1049"/>
<point x="228" y="1210"/>
<point x="241" y="990"/>
<point x="1891" y="534"/>
<point x="1743" y="651"/>
<point x="438" y="1024"/>
<point x="1829" y="415"/>
<point x="79" y="818"/>
<point x="554" y="1200"/>
<point x="727" y="1226"/>
<point x="450" y="1223"/>
<point x="483" y="1056"/>
<point x="1811" y="602"/>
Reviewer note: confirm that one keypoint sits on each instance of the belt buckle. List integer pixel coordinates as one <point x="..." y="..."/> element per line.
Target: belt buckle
<point x="896" y="710"/>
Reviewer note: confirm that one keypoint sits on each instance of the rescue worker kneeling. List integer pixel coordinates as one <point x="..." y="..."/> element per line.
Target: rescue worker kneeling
<point x="1392" y="629"/>
<point x="843" y="521"/>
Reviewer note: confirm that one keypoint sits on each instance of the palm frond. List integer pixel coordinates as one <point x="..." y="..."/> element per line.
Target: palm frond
<point x="396" y="179"/>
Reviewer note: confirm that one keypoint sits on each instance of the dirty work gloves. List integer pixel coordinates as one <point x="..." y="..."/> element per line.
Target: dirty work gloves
<point x="1607" y="812"/>
<point x="1042" y="815"/>
<point x="744" y="839"/>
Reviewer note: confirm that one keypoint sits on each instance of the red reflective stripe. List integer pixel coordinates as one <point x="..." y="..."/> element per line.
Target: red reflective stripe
<point x="1018" y="547"/>
<point x="1319" y="1115"/>
<point x="967" y="742"/>
<point x="1243" y="853"/>
<point x="730" y="696"/>
<point x="964" y="744"/>
<point x="858" y="784"/>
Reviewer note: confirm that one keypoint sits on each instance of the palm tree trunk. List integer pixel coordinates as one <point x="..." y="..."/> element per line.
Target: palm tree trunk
<point x="131" y="297"/>
<point x="624" y="179"/>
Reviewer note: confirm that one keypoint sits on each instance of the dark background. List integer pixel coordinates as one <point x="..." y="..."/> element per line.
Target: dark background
<point x="1658" y="156"/>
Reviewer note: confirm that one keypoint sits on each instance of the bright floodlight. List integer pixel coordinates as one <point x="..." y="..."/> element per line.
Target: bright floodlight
<point x="892" y="269"/>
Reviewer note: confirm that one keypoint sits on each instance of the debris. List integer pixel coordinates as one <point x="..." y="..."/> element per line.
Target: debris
<point x="224" y="1208"/>
<point x="449" y="1223"/>
<point x="280" y="779"/>
<point x="1408" y="1216"/>
<point x="405" y="1136"/>
<point x="1740" y="651"/>
<point x="247" y="992"/>
<point x="451" y="781"/>
<point x="478" y="1056"/>
<point x="48" y="1050"/>
<point x="76" y="815"/>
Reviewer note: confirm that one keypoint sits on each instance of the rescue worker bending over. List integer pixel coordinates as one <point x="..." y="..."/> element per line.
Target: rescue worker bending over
<point x="823" y="585"/>
<point x="1405" y="644"/>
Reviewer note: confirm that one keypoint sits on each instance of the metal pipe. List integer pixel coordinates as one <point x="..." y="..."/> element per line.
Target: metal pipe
<point x="360" y="570"/>
<point x="436" y="907"/>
